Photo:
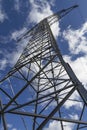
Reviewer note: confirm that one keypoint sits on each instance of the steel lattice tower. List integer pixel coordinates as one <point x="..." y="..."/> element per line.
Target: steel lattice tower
<point x="41" y="83"/>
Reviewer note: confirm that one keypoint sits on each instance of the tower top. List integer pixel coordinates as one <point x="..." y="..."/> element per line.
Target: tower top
<point x="51" y="19"/>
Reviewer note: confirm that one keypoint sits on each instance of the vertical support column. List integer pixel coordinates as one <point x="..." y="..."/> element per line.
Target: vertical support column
<point x="3" y="116"/>
<point x="80" y="88"/>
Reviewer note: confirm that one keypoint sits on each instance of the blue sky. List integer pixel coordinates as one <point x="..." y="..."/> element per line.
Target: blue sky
<point x="18" y="16"/>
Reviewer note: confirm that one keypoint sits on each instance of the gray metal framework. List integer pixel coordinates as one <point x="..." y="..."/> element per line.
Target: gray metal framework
<point x="36" y="90"/>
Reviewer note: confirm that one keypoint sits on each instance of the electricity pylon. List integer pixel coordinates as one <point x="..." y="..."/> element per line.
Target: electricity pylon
<point x="38" y="88"/>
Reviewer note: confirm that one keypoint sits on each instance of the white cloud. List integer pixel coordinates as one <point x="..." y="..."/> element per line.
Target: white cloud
<point x="55" y="29"/>
<point x="3" y="64"/>
<point x="52" y="2"/>
<point x="18" y="33"/>
<point x="3" y="15"/>
<point x="13" y="57"/>
<point x="72" y="103"/>
<point x="79" y="67"/>
<point x="9" y="125"/>
<point x="74" y="116"/>
<point x="54" y="125"/>
<point x="77" y="39"/>
<point x="17" y="5"/>
<point x="68" y="126"/>
<point x="39" y="11"/>
<point x="10" y="58"/>
<point x="14" y="129"/>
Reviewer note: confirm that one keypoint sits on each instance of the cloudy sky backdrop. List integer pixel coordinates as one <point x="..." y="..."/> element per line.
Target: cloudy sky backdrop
<point x="18" y="16"/>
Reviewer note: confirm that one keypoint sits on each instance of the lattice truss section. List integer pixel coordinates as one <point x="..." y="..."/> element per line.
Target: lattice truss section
<point x="37" y="90"/>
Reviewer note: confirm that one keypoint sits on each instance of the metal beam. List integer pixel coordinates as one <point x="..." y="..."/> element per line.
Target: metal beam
<point x="45" y="116"/>
<point x="40" y="98"/>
